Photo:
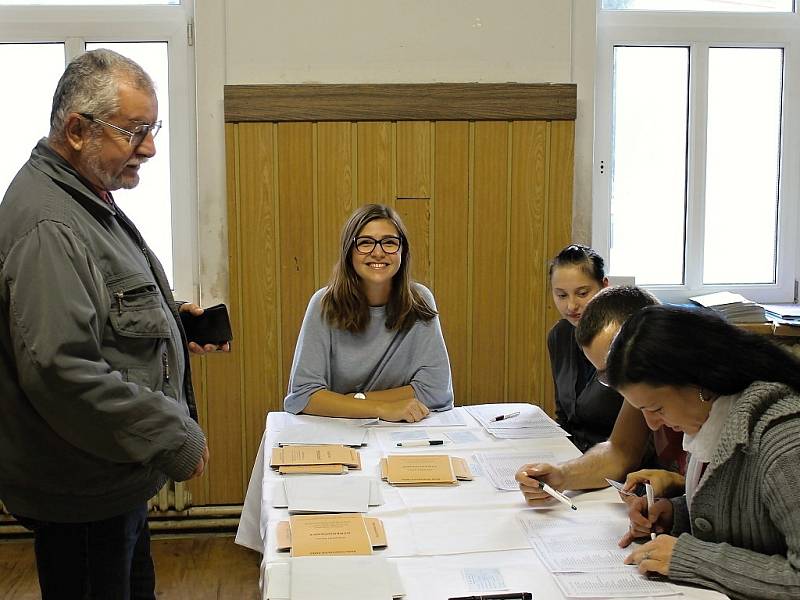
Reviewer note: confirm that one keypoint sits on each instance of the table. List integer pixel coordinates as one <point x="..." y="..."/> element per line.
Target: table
<point x="434" y="533"/>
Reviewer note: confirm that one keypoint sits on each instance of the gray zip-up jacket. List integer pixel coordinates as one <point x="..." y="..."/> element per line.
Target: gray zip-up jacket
<point x="96" y="402"/>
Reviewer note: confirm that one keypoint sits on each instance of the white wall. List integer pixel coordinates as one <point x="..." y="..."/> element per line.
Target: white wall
<point x="381" y="41"/>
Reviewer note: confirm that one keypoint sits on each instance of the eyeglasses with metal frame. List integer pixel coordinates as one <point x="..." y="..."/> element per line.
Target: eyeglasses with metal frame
<point x="365" y="244"/>
<point x="136" y="136"/>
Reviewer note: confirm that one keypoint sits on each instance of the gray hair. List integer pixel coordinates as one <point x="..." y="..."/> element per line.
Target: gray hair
<point x="90" y="84"/>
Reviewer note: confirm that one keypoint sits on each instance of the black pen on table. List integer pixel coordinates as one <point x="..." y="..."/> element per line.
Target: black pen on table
<point x="507" y="596"/>
<point x="503" y="418"/>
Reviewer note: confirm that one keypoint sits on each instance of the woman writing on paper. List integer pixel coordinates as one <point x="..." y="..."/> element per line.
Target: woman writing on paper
<point x="736" y="398"/>
<point x="584" y="407"/>
<point x="371" y="344"/>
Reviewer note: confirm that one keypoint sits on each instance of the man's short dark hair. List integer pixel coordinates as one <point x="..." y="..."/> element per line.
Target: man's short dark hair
<point x="611" y="305"/>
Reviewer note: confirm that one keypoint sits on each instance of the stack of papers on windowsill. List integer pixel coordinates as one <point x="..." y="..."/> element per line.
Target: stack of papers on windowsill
<point x="784" y="314"/>
<point x="334" y="578"/>
<point x="734" y="307"/>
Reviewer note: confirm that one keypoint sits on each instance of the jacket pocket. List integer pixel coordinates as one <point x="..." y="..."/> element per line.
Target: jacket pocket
<point x="136" y="308"/>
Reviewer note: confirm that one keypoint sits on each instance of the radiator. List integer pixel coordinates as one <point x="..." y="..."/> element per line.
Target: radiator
<point x="170" y="510"/>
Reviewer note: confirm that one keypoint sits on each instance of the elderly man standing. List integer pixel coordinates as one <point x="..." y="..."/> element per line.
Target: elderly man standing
<point x="96" y="401"/>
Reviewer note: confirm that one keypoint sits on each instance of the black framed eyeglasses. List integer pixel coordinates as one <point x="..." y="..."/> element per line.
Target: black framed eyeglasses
<point x="365" y="244"/>
<point x="136" y="136"/>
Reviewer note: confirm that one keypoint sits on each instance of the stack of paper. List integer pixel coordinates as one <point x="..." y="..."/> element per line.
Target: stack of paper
<point x="734" y="307"/>
<point x="785" y="314"/>
<point x="375" y="532"/>
<point x="580" y="550"/>
<point x="323" y="430"/>
<point x="424" y="469"/>
<point x="327" y="494"/>
<point x="502" y="468"/>
<point x="516" y="421"/>
<point x="329" y="535"/>
<point x="322" y="460"/>
<point x="334" y="578"/>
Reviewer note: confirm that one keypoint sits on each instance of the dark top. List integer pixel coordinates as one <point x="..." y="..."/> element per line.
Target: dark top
<point x="584" y="407"/>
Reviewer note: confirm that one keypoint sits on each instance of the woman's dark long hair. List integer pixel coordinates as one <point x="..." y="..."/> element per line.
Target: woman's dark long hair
<point x="344" y="304"/>
<point x="661" y="345"/>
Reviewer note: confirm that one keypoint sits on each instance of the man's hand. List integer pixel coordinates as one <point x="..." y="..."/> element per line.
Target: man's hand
<point x="201" y="465"/>
<point x="410" y="410"/>
<point x="195" y="348"/>
<point x="529" y="476"/>
<point x="666" y="484"/>
<point x="658" y="519"/>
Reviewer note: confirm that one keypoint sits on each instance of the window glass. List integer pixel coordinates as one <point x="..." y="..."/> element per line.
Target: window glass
<point x="701" y="5"/>
<point x="742" y="164"/>
<point x="35" y="68"/>
<point x="149" y="203"/>
<point x="648" y="172"/>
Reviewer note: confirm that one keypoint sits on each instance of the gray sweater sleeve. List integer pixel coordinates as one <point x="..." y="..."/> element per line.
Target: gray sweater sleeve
<point x="431" y="379"/>
<point x="743" y="573"/>
<point x="311" y="368"/>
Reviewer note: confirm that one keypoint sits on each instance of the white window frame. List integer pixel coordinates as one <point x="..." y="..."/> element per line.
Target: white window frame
<point x="698" y="31"/>
<point x="75" y="25"/>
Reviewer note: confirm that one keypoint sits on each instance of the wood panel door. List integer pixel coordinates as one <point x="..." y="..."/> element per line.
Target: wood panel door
<point x="486" y="203"/>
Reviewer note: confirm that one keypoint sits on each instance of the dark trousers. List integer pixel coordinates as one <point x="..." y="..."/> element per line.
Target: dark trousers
<point x="98" y="560"/>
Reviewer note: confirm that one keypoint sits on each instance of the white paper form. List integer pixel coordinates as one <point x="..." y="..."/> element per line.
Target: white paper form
<point x="501" y="468"/>
<point x="326" y="494"/>
<point x="344" y="578"/>
<point x="619" y="584"/>
<point x="446" y="418"/>
<point x="578" y="541"/>
<point x="327" y="431"/>
<point x="532" y="421"/>
<point x="464" y="530"/>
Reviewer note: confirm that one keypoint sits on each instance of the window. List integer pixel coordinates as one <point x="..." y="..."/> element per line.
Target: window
<point x="696" y="146"/>
<point x="37" y="39"/>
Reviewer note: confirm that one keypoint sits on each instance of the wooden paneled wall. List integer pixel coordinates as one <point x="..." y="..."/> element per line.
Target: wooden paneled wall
<point x="486" y="203"/>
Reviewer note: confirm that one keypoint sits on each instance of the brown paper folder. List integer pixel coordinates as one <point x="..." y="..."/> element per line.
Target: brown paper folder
<point x="313" y="469"/>
<point x="377" y="534"/>
<point x="330" y="535"/>
<point x="423" y="469"/>
<point x="303" y="456"/>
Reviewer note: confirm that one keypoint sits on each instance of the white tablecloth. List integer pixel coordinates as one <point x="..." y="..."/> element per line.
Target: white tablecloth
<point x="434" y="533"/>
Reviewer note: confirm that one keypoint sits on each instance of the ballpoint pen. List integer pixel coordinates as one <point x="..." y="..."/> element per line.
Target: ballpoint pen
<point x="504" y="417"/>
<point x="411" y="443"/>
<point x="557" y="495"/>
<point x="650" y="501"/>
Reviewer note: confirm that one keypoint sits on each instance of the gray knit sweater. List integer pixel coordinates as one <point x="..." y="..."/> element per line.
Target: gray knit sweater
<point x="376" y="359"/>
<point x="744" y="521"/>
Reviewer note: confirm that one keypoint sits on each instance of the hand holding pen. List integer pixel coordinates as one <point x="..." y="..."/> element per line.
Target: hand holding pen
<point x="644" y="522"/>
<point x="529" y="476"/>
<point x="553" y="493"/>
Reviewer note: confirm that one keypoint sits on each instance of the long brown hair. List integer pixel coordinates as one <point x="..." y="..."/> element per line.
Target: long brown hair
<point x="344" y="304"/>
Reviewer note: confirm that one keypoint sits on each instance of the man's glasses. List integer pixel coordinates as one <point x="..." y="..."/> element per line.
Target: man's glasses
<point x="366" y="244"/>
<point x="136" y="136"/>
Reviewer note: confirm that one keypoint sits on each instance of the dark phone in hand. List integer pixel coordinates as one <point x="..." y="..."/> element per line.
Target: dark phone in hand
<point x="212" y="327"/>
